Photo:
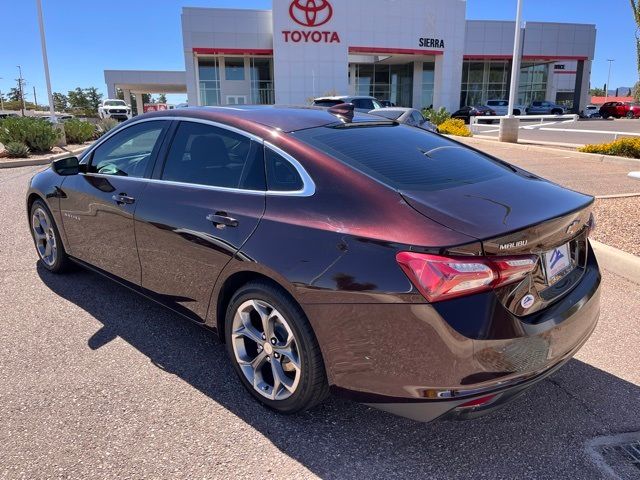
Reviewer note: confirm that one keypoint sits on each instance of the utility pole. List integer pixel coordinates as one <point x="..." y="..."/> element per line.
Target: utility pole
<point x="21" y="88"/>
<point x="606" y="90"/>
<point x="509" y="127"/>
<point x="35" y="98"/>
<point x="1" y="100"/>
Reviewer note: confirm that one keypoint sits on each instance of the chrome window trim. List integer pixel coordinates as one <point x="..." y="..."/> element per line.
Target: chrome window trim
<point x="309" y="186"/>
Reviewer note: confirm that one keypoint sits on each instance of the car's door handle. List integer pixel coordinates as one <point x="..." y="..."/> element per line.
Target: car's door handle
<point x="221" y="220"/>
<point x="123" y="199"/>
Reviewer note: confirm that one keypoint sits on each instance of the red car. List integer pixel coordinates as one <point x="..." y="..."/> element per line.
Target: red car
<point x="620" y="110"/>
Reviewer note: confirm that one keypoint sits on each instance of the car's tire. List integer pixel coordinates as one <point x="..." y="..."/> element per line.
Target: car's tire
<point x="605" y="116"/>
<point x="556" y="111"/>
<point x="302" y="379"/>
<point x="516" y="112"/>
<point x="46" y="238"/>
<point x="630" y="115"/>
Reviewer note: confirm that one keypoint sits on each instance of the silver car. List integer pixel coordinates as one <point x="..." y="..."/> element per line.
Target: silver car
<point x="406" y="116"/>
<point x="361" y="103"/>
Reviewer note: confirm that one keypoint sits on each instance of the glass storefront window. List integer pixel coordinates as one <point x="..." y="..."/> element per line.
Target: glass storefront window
<point x="262" y="89"/>
<point x="533" y="82"/>
<point x="209" y="75"/>
<point x="483" y="81"/>
<point x="428" y="82"/>
<point x="386" y="82"/>
<point x="234" y="68"/>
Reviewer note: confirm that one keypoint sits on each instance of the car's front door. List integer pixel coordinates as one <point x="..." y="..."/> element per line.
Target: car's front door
<point x="98" y="205"/>
<point x="201" y="206"/>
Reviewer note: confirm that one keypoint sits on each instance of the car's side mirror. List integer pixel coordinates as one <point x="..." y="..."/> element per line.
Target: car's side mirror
<point x="66" y="166"/>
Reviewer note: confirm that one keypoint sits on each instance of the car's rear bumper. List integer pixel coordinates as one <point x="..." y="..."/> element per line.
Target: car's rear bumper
<point x="407" y="359"/>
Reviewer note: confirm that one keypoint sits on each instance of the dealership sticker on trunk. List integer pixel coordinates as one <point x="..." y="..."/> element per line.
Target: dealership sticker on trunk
<point x="557" y="262"/>
<point x="527" y="301"/>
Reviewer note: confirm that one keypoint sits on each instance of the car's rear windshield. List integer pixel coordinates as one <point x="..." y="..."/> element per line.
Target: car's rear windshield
<point x="404" y="158"/>
<point x="390" y="114"/>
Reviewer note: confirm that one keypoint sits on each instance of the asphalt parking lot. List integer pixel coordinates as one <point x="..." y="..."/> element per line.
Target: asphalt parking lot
<point x="581" y="132"/>
<point x="98" y="382"/>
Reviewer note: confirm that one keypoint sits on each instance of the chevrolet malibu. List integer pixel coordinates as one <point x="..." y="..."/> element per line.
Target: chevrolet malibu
<point x="334" y="251"/>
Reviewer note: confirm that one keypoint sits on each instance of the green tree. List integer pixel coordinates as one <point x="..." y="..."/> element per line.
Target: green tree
<point x="78" y="99"/>
<point x="60" y="101"/>
<point x="635" y="91"/>
<point x="162" y="98"/>
<point x="597" y="92"/>
<point x="93" y="97"/>
<point x="14" y="94"/>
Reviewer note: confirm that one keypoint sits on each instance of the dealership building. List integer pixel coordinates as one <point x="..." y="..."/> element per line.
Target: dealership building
<point x="412" y="52"/>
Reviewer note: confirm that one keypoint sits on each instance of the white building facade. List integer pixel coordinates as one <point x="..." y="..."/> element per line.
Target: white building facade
<point x="416" y="53"/>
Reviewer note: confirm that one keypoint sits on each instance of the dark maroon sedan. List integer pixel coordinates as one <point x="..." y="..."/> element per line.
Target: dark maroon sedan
<point x="329" y="250"/>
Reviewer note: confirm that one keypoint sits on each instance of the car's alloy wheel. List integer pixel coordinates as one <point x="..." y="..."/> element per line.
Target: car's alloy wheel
<point x="630" y="115"/>
<point x="44" y="236"/>
<point x="266" y="349"/>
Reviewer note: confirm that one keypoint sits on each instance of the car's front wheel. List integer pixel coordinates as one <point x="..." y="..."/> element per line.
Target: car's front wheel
<point x="630" y="115"/>
<point x="47" y="239"/>
<point x="273" y="349"/>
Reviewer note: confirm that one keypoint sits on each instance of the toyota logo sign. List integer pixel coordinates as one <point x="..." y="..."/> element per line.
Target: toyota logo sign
<point x="311" y="13"/>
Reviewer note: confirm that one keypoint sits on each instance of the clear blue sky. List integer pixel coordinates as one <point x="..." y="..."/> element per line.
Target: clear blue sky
<point x="86" y="37"/>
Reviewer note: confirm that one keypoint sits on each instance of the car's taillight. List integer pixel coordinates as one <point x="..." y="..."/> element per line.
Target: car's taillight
<point x="440" y="278"/>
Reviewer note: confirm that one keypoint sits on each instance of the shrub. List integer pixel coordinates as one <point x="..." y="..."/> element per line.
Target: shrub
<point x="37" y="134"/>
<point x="16" y="150"/>
<point x="104" y="125"/>
<point x="14" y="130"/>
<point x="78" y="131"/>
<point x="454" y="126"/>
<point x="437" y="117"/>
<point x="41" y="135"/>
<point x="624" y="147"/>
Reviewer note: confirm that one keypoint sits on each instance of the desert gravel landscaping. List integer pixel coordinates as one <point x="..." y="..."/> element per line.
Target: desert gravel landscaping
<point x="618" y="223"/>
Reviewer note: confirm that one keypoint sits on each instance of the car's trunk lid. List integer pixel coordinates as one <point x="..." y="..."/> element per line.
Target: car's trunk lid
<point x="519" y="214"/>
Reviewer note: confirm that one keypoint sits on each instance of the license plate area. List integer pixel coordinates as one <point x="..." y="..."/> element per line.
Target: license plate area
<point x="558" y="262"/>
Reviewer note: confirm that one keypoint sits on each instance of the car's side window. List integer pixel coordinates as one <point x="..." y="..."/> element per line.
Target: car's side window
<point x="203" y="154"/>
<point x="363" y="103"/>
<point x="128" y="153"/>
<point x="281" y="175"/>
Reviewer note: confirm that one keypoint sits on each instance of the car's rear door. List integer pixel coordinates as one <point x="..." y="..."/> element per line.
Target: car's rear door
<point x="202" y="204"/>
<point x="98" y="205"/>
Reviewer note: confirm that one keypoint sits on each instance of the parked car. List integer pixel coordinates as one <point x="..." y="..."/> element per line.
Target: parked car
<point x="501" y="107"/>
<point x="465" y="113"/>
<point x="591" y="111"/>
<point x="406" y="116"/>
<point x="114" y="108"/>
<point x="8" y="114"/>
<point x="333" y="250"/>
<point x="386" y="103"/>
<point x="65" y="117"/>
<point x="620" y="110"/>
<point x="363" y="104"/>
<point x="545" y="108"/>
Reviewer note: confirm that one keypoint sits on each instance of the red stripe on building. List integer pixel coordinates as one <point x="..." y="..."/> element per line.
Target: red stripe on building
<point x="525" y="57"/>
<point x="396" y="51"/>
<point x="232" y="51"/>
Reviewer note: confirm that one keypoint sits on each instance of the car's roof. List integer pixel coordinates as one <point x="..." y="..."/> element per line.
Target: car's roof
<point x="342" y="97"/>
<point x="396" y="109"/>
<point x="280" y="117"/>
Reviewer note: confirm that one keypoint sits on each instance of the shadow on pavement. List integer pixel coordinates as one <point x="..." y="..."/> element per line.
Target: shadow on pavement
<point x="540" y="435"/>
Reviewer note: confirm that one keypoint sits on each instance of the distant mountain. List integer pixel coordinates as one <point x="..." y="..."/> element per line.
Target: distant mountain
<point x="620" y="92"/>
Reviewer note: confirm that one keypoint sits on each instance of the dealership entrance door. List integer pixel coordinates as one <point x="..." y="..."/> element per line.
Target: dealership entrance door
<point x="404" y="80"/>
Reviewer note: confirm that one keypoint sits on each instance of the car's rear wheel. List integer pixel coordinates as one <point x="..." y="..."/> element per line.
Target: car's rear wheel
<point x="556" y="112"/>
<point x="516" y="112"/>
<point x="47" y="239"/>
<point x="630" y="115"/>
<point x="273" y="349"/>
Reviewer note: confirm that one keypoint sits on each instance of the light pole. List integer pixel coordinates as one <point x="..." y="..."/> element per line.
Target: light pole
<point x="1" y="100"/>
<point x="606" y="90"/>
<point x="45" y="61"/>
<point x="509" y="126"/>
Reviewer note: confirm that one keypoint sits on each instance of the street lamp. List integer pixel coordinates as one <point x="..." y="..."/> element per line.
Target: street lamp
<point x="45" y="61"/>
<point x="509" y="127"/>
<point x="1" y="100"/>
<point x="606" y="90"/>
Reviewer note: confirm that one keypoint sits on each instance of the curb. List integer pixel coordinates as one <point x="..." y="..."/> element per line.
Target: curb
<point x="40" y="161"/>
<point x="540" y="148"/>
<point x="621" y="263"/>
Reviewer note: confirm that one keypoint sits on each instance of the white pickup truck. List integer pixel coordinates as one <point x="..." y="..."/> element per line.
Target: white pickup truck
<point x="114" y="108"/>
